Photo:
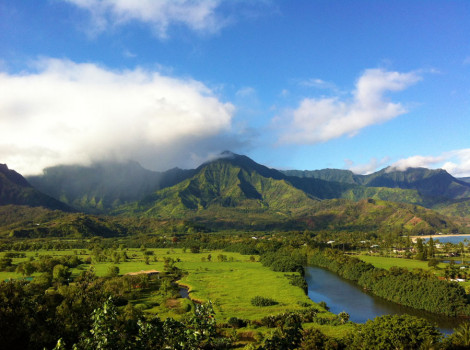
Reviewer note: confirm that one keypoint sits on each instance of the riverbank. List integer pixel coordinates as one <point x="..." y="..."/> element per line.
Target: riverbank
<point x="418" y="291"/>
<point x="345" y="295"/>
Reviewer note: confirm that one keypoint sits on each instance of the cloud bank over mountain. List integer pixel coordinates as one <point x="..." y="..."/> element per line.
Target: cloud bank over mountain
<point x="456" y="162"/>
<point x="66" y="112"/>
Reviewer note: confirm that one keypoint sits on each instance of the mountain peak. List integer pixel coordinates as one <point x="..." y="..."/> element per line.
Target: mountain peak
<point x="13" y="176"/>
<point x="228" y="154"/>
<point x="14" y="189"/>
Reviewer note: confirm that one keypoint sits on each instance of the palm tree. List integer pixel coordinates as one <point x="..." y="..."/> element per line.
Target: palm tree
<point x="462" y="334"/>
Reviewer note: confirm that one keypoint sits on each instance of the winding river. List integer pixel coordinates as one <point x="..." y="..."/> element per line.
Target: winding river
<point x="343" y="295"/>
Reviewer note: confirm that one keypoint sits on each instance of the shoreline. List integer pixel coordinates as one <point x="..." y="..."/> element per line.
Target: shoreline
<point x="414" y="238"/>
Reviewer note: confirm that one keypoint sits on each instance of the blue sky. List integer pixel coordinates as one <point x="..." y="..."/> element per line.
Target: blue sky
<point x="305" y="84"/>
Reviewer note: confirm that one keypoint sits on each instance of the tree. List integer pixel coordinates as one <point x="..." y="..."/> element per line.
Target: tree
<point x="421" y="251"/>
<point x="431" y="249"/>
<point x="343" y="316"/>
<point x="433" y="263"/>
<point x="460" y="339"/>
<point x="391" y="332"/>
<point x="104" y="333"/>
<point x="61" y="274"/>
<point x="113" y="271"/>
<point x="287" y="336"/>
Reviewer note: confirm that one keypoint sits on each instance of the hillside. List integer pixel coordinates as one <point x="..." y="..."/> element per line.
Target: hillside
<point x="230" y="182"/>
<point x="234" y="192"/>
<point x="438" y="184"/>
<point x="14" y="189"/>
<point x="336" y="175"/>
<point x="21" y="221"/>
<point x="432" y="183"/>
<point x="99" y="187"/>
<point x="376" y="217"/>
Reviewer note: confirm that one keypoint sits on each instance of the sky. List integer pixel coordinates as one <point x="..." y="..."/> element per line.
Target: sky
<point x="304" y="84"/>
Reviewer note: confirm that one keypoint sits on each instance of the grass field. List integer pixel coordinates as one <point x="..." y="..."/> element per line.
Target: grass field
<point x="229" y="285"/>
<point x="387" y="263"/>
<point x="410" y="264"/>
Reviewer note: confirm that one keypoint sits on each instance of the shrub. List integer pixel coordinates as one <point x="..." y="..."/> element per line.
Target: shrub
<point x="262" y="301"/>
<point x="235" y="322"/>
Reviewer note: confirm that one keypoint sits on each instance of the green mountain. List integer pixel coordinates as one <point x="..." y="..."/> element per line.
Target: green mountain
<point x="14" y="189"/>
<point x="438" y="184"/>
<point x="234" y="192"/>
<point x="376" y="217"/>
<point x="232" y="181"/>
<point x="335" y="175"/>
<point x="22" y="221"/>
<point x="100" y="187"/>
<point x="432" y="183"/>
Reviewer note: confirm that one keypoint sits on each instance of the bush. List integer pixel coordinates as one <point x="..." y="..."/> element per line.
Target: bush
<point x="235" y="322"/>
<point x="262" y="301"/>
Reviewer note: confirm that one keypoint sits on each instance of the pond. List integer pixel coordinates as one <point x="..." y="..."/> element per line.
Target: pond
<point x="184" y="292"/>
<point x="343" y="295"/>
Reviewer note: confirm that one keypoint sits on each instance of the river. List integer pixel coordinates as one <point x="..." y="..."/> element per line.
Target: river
<point x="343" y="295"/>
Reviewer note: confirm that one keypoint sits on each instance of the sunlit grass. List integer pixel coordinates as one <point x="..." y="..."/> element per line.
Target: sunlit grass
<point x="387" y="263"/>
<point x="229" y="285"/>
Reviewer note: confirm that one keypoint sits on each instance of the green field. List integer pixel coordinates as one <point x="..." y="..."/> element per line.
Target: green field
<point x="387" y="263"/>
<point x="410" y="264"/>
<point x="229" y="285"/>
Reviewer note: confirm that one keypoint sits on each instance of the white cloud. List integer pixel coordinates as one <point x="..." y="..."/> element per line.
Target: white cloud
<point x="319" y="84"/>
<point x="77" y="113"/>
<point x="320" y="120"/>
<point x="197" y="15"/>
<point x="417" y="162"/>
<point x="372" y="166"/>
<point x="456" y="162"/>
<point x="247" y="91"/>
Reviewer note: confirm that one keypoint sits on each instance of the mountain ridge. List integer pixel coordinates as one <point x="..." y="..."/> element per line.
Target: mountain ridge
<point x="103" y="188"/>
<point x="16" y="190"/>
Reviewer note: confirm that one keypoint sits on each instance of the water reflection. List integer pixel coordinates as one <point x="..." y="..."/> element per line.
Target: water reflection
<point x="343" y="295"/>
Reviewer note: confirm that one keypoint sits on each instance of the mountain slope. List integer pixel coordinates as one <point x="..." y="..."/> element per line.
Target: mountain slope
<point x="433" y="183"/>
<point x="376" y="217"/>
<point x="335" y="175"/>
<point x="14" y="189"/>
<point x="438" y="184"/>
<point x="234" y="192"/>
<point x="103" y="186"/>
<point x="230" y="182"/>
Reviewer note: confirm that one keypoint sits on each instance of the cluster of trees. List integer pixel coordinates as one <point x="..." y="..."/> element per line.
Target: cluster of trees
<point x="285" y="260"/>
<point x="419" y="290"/>
<point x="110" y="330"/>
<point x="34" y="315"/>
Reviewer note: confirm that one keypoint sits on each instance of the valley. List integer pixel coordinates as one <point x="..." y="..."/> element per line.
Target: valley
<point x="238" y="236"/>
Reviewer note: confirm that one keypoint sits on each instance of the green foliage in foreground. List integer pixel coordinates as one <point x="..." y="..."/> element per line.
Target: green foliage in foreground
<point x="108" y="332"/>
<point x="391" y="332"/>
<point x="421" y="291"/>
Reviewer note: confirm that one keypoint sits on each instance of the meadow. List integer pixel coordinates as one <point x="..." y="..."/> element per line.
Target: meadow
<point x="229" y="280"/>
<point x="386" y="262"/>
